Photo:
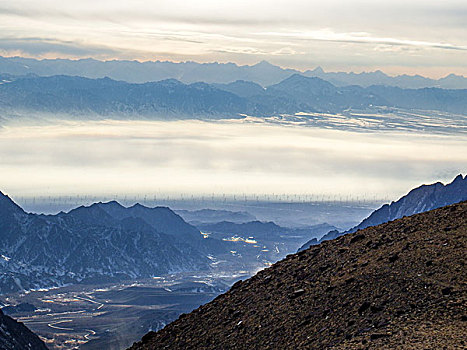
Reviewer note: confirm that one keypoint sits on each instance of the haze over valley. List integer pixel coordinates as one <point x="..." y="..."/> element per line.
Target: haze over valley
<point x="243" y="157"/>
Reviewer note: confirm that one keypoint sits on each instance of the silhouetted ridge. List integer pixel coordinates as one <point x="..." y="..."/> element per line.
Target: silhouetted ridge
<point x="16" y="336"/>
<point x="418" y="200"/>
<point x="173" y="99"/>
<point x="7" y="205"/>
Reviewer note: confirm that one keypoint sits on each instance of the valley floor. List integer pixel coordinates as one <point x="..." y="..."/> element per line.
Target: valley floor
<point x="113" y="316"/>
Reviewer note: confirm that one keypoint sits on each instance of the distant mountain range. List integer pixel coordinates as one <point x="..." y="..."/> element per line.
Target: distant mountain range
<point x="262" y="73"/>
<point x="173" y="99"/>
<point x="365" y="79"/>
<point x="102" y="242"/>
<point x="418" y="200"/>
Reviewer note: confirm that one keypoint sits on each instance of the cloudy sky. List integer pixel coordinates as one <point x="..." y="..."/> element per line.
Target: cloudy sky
<point x="418" y="36"/>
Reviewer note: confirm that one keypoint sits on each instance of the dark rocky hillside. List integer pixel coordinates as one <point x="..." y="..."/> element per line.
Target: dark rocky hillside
<point x="398" y="285"/>
<point x="16" y="336"/>
<point x="263" y="73"/>
<point x="105" y="96"/>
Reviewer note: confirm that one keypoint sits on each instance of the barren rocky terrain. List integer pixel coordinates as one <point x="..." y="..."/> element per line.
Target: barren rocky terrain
<point x="397" y="285"/>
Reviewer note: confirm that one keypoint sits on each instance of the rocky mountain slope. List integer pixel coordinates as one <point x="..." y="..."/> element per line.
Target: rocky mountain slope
<point x="102" y="242"/>
<point x="401" y="284"/>
<point x="418" y="200"/>
<point x="16" y="336"/>
<point x="77" y="95"/>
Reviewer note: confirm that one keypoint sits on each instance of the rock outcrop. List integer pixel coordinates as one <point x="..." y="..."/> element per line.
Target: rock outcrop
<point x="398" y="285"/>
<point x="418" y="200"/>
<point x="16" y="336"/>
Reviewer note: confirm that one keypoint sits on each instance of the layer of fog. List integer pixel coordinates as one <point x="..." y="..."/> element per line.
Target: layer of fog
<point x="198" y="157"/>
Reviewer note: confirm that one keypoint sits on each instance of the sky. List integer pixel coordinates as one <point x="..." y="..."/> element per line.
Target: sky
<point x="399" y="36"/>
<point x="199" y="158"/>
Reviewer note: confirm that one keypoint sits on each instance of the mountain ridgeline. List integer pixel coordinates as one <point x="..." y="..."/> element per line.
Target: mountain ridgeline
<point x="399" y="285"/>
<point x="171" y="98"/>
<point x="418" y="200"/>
<point x="263" y="73"/>
<point x="102" y="242"/>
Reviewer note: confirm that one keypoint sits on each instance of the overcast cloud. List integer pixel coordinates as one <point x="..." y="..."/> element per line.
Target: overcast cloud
<point x="399" y="36"/>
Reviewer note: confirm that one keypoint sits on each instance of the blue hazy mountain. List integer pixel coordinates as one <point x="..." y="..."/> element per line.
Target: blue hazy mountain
<point x="320" y="95"/>
<point x="262" y="73"/>
<point x="164" y="220"/>
<point x="268" y="231"/>
<point x="102" y="242"/>
<point x="366" y="79"/>
<point x="77" y="95"/>
<point x="174" y="99"/>
<point x="161" y="218"/>
<point x="242" y="88"/>
<point x="418" y="200"/>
